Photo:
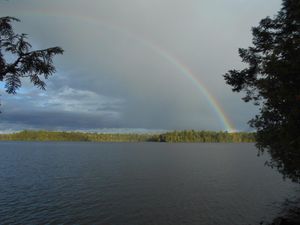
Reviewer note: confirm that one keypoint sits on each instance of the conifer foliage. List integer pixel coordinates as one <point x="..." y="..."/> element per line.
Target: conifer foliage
<point x="18" y="61"/>
<point x="272" y="81"/>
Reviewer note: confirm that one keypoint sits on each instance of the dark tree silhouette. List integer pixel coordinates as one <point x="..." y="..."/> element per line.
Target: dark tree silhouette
<point x="272" y="81"/>
<point x="24" y="63"/>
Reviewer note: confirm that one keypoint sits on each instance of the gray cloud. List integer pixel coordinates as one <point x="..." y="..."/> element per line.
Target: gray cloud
<point x="62" y="109"/>
<point x="113" y="73"/>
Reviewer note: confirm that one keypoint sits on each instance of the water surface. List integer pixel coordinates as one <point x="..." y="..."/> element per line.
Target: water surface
<point x="137" y="184"/>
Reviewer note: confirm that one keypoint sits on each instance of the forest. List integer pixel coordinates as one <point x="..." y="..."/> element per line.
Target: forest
<point x="171" y="137"/>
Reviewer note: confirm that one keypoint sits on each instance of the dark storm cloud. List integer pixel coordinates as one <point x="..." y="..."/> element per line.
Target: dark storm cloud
<point x="57" y="120"/>
<point x="65" y="108"/>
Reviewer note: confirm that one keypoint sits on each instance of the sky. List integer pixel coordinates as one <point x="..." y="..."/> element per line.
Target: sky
<point x="134" y="64"/>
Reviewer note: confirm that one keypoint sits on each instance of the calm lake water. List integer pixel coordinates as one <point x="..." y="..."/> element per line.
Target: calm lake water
<point x="137" y="184"/>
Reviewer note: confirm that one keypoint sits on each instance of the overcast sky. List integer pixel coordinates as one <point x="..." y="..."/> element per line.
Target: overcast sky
<point x="118" y="69"/>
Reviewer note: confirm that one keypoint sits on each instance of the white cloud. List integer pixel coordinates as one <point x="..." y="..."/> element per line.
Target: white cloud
<point x="81" y="101"/>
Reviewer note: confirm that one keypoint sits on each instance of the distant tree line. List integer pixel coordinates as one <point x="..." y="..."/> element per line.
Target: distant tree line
<point x="206" y="136"/>
<point x="175" y="136"/>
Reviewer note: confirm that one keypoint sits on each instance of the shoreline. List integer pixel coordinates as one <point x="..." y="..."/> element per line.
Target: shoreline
<point x="185" y="136"/>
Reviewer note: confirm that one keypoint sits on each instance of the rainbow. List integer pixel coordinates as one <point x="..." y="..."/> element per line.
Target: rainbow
<point x="215" y="105"/>
<point x="184" y="69"/>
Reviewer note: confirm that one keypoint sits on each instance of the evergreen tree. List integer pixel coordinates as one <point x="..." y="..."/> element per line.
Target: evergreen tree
<point x="272" y="81"/>
<point x="34" y="65"/>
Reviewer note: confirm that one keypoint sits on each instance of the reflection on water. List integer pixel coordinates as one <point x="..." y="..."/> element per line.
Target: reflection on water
<point x="144" y="183"/>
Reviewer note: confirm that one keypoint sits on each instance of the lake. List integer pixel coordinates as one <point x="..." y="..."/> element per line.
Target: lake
<point x="137" y="184"/>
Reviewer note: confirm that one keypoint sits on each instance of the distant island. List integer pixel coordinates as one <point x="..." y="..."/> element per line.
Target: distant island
<point x="185" y="136"/>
